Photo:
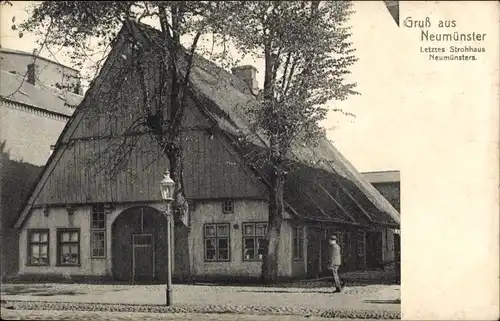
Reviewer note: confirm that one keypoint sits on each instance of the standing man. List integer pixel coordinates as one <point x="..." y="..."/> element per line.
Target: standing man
<point x="335" y="261"/>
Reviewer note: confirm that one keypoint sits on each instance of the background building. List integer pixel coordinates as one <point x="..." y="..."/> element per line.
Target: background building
<point x="38" y="96"/>
<point x="388" y="184"/>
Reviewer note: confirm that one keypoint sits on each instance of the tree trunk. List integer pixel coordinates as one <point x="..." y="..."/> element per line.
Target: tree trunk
<point x="180" y="209"/>
<point x="271" y="257"/>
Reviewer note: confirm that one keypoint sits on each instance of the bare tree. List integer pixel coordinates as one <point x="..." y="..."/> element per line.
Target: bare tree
<point x="88" y="28"/>
<point x="304" y="45"/>
<point x="307" y="55"/>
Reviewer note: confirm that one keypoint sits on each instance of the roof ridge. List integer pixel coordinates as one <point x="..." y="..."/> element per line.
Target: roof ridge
<point x="25" y="53"/>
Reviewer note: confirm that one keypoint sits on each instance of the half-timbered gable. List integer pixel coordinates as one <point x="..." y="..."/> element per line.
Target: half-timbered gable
<point x="88" y="169"/>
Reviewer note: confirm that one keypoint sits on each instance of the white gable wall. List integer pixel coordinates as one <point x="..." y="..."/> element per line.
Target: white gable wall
<point x="209" y="211"/>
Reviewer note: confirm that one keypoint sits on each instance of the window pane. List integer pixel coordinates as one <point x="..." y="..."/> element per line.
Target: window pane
<point x="43" y="250"/>
<point x="98" y="243"/>
<point x="298" y="249"/>
<point x="35" y="237"/>
<point x="261" y="246"/>
<point x="223" y="255"/>
<point x="210" y="255"/>
<point x="102" y="222"/>
<point x="297" y="232"/>
<point x="98" y="252"/>
<point x="65" y="236"/>
<point x="210" y="244"/>
<point x="65" y="258"/>
<point x="222" y="230"/>
<point x="65" y="249"/>
<point x="35" y="250"/>
<point x="248" y="229"/>
<point x="74" y="258"/>
<point x="249" y="248"/>
<point x="209" y="230"/>
<point x="36" y="256"/>
<point x="95" y="220"/>
<point x="44" y="237"/>
<point x="223" y="243"/>
<point x="210" y="249"/>
<point x="261" y="229"/>
<point x="69" y="254"/>
<point x="227" y="206"/>
<point x="74" y="237"/>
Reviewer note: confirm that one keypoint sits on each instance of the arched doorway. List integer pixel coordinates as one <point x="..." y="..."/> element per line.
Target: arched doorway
<point x="139" y="245"/>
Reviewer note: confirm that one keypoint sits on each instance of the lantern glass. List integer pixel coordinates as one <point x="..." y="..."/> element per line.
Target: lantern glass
<point x="167" y="188"/>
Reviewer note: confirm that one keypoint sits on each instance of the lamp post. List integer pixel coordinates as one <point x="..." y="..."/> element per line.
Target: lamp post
<point x="167" y="194"/>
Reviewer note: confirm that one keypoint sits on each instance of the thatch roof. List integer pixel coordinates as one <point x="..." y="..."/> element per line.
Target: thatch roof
<point x="323" y="185"/>
<point x="227" y="98"/>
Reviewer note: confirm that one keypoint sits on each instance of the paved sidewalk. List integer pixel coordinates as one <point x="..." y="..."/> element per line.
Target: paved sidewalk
<point x="370" y="297"/>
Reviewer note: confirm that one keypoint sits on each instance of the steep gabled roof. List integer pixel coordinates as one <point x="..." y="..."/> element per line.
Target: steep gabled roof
<point x="231" y="98"/>
<point x="324" y="174"/>
<point x="66" y="132"/>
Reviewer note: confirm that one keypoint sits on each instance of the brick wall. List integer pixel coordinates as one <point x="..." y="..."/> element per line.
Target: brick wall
<point x="27" y="134"/>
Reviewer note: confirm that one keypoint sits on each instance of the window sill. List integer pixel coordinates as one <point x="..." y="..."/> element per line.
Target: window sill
<point x="98" y="257"/>
<point x="252" y="260"/>
<point x="68" y="265"/>
<point x="219" y="261"/>
<point x="31" y="264"/>
<point x="298" y="259"/>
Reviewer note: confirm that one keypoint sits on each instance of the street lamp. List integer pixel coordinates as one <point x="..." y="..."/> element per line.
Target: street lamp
<point x="167" y="194"/>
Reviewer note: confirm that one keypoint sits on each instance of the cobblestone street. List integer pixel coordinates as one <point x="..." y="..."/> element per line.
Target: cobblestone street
<point x="377" y="301"/>
<point x="127" y="316"/>
<point x="370" y="297"/>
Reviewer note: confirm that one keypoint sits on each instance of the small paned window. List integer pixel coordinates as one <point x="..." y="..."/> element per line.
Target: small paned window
<point x="216" y="238"/>
<point x="38" y="247"/>
<point x="227" y="206"/>
<point x="98" y="232"/>
<point x="298" y="243"/>
<point x="361" y="243"/>
<point x="254" y="241"/>
<point x="68" y="241"/>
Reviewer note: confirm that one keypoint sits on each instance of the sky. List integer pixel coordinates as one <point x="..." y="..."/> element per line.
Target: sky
<point x="370" y="139"/>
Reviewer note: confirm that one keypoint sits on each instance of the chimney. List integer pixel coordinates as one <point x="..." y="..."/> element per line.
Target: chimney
<point x="31" y="74"/>
<point x="248" y="74"/>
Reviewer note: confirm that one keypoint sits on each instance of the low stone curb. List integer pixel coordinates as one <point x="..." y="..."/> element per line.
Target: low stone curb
<point x="183" y="308"/>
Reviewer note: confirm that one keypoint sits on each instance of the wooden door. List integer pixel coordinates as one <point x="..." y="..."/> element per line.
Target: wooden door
<point x="143" y="257"/>
<point x="374" y="250"/>
<point x="313" y="251"/>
